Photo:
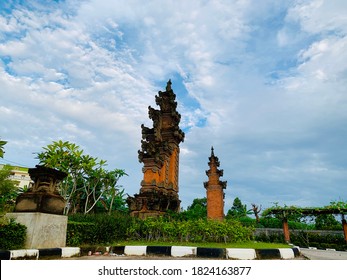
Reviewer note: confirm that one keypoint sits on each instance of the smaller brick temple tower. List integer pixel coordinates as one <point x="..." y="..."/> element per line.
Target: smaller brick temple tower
<point x="160" y="155"/>
<point x="215" y="189"/>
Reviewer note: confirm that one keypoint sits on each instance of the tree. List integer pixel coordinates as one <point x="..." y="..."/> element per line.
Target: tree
<point x="2" y="144"/>
<point x="256" y="210"/>
<point x="87" y="181"/>
<point x="66" y="157"/>
<point x="238" y="209"/>
<point x="197" y="210"/>
<point x="8" y="189"/>
<point x="115" y="201"/>
<point x="327" y="222"/>
<point x="113" y="194"/>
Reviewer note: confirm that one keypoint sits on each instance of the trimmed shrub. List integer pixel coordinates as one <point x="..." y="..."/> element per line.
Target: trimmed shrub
<point x="100" y="229"/>
<point x="311" y="239"/>
<point x="97" y="229"/>
<point x="12" y="235"/>
<point x="269" y="222"/>
<point x="274" y="237"/>
<point x="159" y="229"/>
<point x="80" y="233"/>
<point x="248" y="221"/>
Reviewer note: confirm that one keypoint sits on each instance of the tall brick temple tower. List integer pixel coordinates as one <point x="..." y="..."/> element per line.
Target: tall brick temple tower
<point x="160" y="155"/>
<point x="214" y="189"/>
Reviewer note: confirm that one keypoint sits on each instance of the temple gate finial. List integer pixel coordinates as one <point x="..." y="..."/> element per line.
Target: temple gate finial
<point x="168" y="85"/>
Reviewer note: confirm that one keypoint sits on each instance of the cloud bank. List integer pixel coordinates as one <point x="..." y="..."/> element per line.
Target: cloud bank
<point x="264" y="83"/>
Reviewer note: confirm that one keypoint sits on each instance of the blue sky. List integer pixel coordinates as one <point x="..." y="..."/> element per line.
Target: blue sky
<point x="264" y="82"/>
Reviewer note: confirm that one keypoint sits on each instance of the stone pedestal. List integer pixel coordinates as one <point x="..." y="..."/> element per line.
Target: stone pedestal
<point x="43" y="230"/>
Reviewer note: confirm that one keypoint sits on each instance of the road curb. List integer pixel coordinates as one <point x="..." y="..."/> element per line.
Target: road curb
<point x="45" y="253"/>
<point x="173" y="251"/>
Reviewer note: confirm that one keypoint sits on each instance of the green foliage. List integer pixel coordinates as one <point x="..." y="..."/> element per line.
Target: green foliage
<point x="327" y="222"/>
<point x="292" y="213"/>
<point x="324" y="215"/>
<point x="12" y="235"/>
<point x="339" y="205"/>
<point x="270" y="222"/>
<point x="109" y="229"/>
<point x="159" y="229"/>
<point x="2" y="144"/>
<point x="97" y="229"/>
<point x="238" y="209"/>
<point x="114" y="200"/>
<point x="87" y="183"/>
<point x="306" y="239"/>
<point x="79" y="233"/>
<point x="247" y="221"/>
<point x="321" y="241"/>
<point x="295" y="212"/>
<point x="198" y="209"/>
<point x="274" y="237"/>
<point x="8" y="189"/>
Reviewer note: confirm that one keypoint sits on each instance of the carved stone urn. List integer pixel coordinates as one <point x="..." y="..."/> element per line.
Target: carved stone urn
<point x="43" y="195"/>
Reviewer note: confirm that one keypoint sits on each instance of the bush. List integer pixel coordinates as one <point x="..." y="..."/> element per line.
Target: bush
<point x="12" y="235"/>
<point x="79" y="233"/>
<point x="159" y="229"/>
<point x="312" y="239"/>
<point x="269" y="222"/>
<point x="97" y="228"/>
<point x="270" y="237"/>
<point x="101" y="229"/>
<point x="247" y="221"/>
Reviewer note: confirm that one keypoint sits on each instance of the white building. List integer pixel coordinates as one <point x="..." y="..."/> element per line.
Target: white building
<point x="20" y="175"/>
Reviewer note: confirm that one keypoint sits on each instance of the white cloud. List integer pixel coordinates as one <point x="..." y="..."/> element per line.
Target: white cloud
<point x="87" y="71"/>
<point x="320" y="16"/>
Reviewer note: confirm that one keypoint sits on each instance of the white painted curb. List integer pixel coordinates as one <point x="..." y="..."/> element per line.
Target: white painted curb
<point x="241" y="254"/>
<point x="15" y="254"/>
<point x="68" y="252"/>
<point x="286" y="253"/>
<point x="135" y="250"/>
<point x="179" y="251"/>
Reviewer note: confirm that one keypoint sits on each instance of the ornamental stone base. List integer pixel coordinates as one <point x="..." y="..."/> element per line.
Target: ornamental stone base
<point x="43" y="230"/>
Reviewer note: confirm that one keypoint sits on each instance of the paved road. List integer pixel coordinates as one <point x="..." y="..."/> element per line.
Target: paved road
<point x="314" y="254"/>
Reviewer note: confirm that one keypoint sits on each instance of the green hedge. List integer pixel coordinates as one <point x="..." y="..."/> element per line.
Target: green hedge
<point x="80" y="233"/>
<point x="274" y="237"/>
<point x="94" y="229"/>
<point x="159" y="229"/>
<point x="311" y="239"/>
<point x="307" y="239"/>
<point x="107" y="230"/>
<point x="12" y="235"/>
<point x="270" y="222"/>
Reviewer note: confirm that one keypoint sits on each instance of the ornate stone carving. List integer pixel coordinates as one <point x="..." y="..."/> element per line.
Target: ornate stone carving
<point x="159" y="154"/>
<point x="43" y="196"/>
<point x="215" y="189"/>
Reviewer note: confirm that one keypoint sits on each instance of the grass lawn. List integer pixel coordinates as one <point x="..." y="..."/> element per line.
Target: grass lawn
<point x="249" y="244"/>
